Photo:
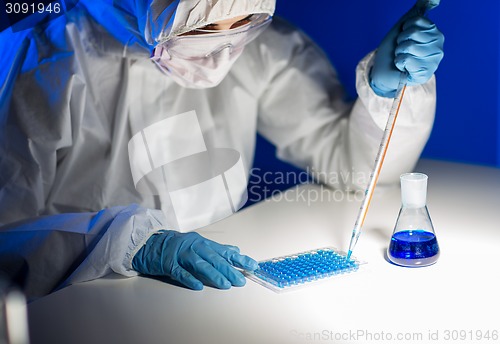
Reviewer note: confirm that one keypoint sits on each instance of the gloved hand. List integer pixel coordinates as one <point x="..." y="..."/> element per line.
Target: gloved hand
<point x="192" y="260"/>
<point x="414" y="45"/>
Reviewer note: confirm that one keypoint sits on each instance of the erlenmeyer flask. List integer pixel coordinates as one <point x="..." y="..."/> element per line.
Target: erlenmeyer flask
<point x="413" y="242"/>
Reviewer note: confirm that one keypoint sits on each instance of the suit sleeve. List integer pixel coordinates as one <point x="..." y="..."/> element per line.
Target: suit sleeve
<point x="305" y="114"/>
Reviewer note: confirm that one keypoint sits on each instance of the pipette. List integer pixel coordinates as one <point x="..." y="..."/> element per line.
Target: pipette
<point x="420" y="8"/>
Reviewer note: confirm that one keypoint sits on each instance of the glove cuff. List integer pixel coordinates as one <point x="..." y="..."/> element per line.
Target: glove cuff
<point x="154" y="244"/>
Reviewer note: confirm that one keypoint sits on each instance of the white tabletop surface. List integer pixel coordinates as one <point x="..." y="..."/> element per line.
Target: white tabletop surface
<point x="456" y="300"/>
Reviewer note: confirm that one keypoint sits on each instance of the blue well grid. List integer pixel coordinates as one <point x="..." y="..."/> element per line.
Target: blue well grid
<point x="295" y="270"/>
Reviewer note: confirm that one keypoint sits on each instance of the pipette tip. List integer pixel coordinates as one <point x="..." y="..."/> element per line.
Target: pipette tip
<point x="349" y="254"/>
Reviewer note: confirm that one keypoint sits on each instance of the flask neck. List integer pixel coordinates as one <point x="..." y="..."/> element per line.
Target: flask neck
<point x="414" y="205"/>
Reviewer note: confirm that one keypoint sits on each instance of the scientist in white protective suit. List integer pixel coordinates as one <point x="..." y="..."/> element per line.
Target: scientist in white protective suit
<point x="87" y="99"/>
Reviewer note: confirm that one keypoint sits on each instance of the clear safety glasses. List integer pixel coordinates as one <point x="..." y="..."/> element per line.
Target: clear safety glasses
<point x="203" y="43"/>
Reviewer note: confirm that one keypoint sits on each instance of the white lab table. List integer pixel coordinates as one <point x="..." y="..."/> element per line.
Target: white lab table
<point x="455" y="298"/>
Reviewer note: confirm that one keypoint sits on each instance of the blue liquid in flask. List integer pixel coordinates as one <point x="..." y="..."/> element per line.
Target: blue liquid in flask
<point x="413" y="248"/>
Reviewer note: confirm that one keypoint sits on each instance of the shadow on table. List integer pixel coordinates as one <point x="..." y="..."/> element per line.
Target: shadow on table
<point x="168" y="280"/>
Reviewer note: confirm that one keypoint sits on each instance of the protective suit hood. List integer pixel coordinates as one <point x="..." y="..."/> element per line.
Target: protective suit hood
<point x="150" y="22"/>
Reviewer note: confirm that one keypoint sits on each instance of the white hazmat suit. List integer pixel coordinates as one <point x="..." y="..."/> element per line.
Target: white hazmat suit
<point x="74" y="94"/>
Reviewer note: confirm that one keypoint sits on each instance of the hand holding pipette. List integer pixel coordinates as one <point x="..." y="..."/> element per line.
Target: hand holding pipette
<point x="414" y="45"/>
<point x="408" y="55"/>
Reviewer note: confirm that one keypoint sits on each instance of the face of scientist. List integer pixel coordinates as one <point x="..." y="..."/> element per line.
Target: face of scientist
<point x="203" y="61"/>
<point x="226" y="24"/>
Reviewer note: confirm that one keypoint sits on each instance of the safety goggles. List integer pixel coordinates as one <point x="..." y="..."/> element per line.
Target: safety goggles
<point x="203" y="43"/>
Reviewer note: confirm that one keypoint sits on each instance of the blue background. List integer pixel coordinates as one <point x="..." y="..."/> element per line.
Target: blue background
<point x="467" y="126"/>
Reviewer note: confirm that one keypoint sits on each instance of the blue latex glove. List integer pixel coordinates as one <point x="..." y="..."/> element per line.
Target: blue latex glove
<point x="192" y="260"/>
<point x="414" y="45"/>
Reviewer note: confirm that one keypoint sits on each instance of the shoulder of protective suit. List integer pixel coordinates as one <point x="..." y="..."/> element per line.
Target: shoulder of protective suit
<point x="285" y="39"/>
<point x="29" y="48"/>
<point x="22" y="51"/>
<point x="281" y="43"/>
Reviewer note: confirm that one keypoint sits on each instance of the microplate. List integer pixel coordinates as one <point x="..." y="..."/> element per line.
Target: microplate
<point x="304" y="268"/>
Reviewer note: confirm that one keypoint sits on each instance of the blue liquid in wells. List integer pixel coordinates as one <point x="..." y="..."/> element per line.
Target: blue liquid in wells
<point x="413" y="248"/>
<point x="304" y="267"/>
